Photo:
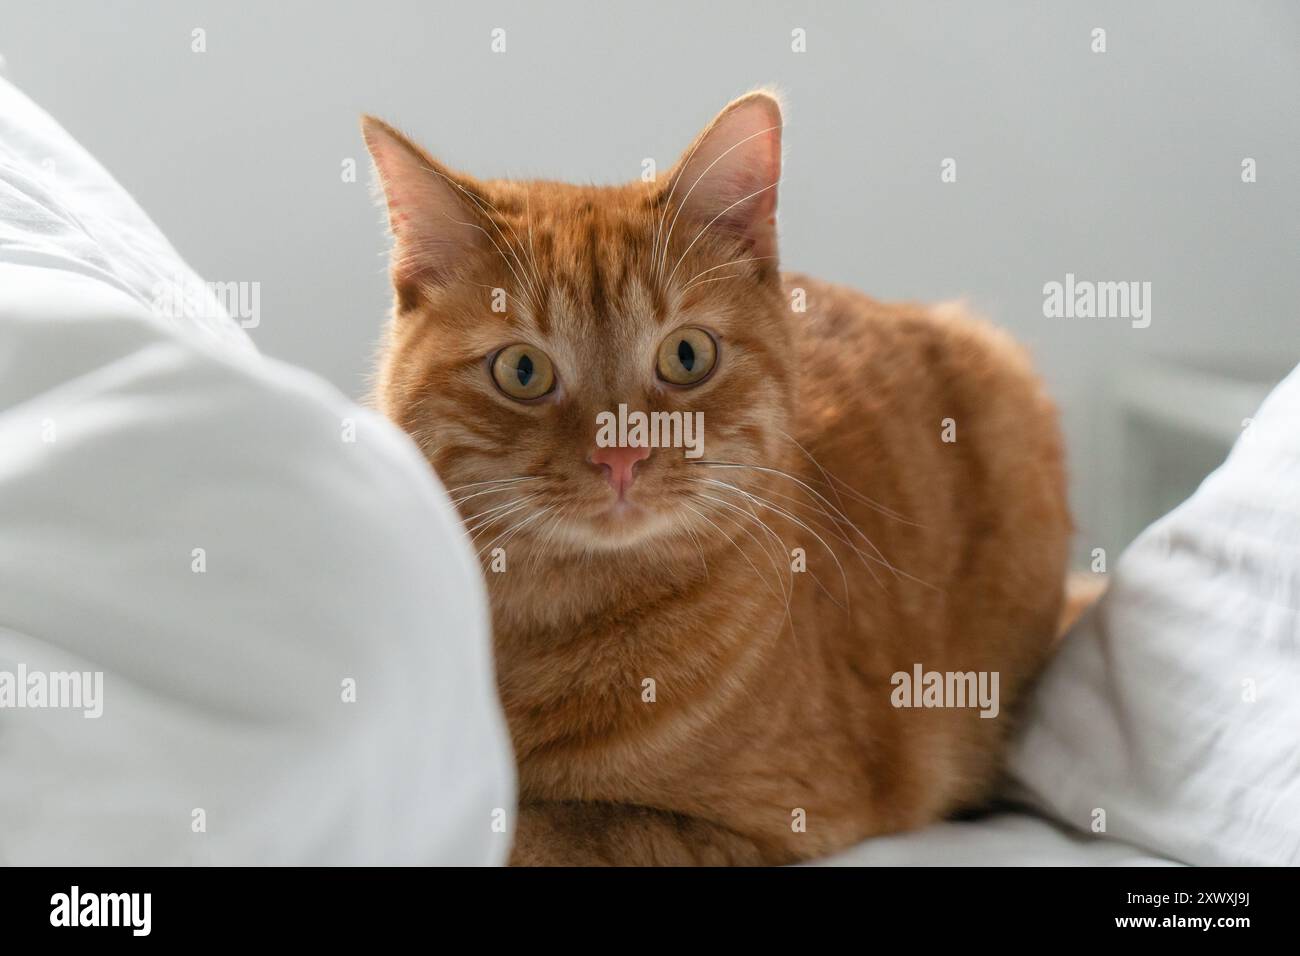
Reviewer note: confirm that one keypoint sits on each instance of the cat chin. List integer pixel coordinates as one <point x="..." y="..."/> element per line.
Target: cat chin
<point x="622" y="526"/>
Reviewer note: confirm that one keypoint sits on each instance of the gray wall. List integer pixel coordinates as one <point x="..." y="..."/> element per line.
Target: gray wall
<point x="1123" y="165"/>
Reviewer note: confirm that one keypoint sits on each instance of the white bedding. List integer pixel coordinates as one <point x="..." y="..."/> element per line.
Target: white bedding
<point x="327" y="561"/>
<point x="1175" y="706"/>
<point x="1000" y="839"/>
<point x="188" y="519"/>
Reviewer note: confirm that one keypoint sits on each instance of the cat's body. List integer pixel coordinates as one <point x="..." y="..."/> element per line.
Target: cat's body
<point x="678" y="688"/>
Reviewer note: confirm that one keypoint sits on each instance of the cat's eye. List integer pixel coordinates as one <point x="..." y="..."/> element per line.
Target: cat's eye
<point x="523" y="372"/>
<point x="687" y="356"/>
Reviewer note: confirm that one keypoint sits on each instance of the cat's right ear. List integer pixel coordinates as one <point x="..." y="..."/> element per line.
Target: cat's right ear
<point x="433" y="213"/>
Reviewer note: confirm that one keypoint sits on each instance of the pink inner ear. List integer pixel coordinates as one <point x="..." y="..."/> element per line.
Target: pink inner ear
<point x="728" y="181"/>
<point x="432" y="220"/>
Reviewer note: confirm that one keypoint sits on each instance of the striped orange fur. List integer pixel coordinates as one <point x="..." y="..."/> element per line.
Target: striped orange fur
<point x="678" y="688"/>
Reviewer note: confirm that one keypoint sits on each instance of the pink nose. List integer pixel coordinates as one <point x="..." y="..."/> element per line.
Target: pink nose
<point x="618" y="464"/>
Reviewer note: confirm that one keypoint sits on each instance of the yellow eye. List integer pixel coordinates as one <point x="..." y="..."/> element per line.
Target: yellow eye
<point x="687" y="356"/>
<point x="523" y="372"/>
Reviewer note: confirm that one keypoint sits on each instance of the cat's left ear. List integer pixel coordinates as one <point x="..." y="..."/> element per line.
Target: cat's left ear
<point x="727" y="180"/>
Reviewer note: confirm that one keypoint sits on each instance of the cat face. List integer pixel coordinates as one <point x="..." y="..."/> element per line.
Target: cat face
<point x="544" y="334"/>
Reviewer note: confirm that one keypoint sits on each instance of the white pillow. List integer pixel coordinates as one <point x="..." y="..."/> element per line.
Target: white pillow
<point x="996" y="839"/>
<point x="1174" y="706"/>
<point x="189" y="519"/>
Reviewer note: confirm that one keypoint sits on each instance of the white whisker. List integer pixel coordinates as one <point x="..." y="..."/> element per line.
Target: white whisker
<point x="803" y="484"/>
<point x="663" y="258"/>
<point x="517" y="501"/>
<point x="831" y="480"/>
<point x="709" y="225"/>
<point x="511" y="532"/>
<point x="734" y="262"/>
<point x="705" y="517"/>
<point x="481" y="202"/>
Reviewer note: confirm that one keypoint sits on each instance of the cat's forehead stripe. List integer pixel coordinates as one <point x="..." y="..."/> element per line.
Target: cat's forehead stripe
<point x="591" y="265"/>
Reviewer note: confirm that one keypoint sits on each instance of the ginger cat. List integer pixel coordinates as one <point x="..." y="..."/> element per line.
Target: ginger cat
<point x="703" y="660"/>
